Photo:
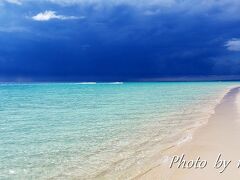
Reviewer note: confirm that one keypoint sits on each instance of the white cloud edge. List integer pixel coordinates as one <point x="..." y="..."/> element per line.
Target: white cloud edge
<point x="49" y="15"/>
<point x="233" y="44"/>
<point x="101" y="2"/>
<point x="17" y="2"/>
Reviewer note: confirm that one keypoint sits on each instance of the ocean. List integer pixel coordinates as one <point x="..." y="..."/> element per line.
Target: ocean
<point x="97" y="130"/>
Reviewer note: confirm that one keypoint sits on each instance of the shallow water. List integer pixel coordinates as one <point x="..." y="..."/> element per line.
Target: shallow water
<point x="65" y="131"/>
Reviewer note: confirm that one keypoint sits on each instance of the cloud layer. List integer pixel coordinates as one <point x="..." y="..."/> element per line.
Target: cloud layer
<point x="49" y="15"/>
<point x="119" y="39"/>
<point x="18" y="2"/>
<point x="233" y="45"/>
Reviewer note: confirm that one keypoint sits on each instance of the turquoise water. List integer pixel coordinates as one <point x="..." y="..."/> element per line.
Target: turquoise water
<point x="82" y="131"/>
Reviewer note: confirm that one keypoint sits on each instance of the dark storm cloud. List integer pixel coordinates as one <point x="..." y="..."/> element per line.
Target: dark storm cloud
<point x="118" y="40"/>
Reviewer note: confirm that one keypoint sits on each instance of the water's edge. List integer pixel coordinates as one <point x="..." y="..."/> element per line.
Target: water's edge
<point x="189" y="133"/>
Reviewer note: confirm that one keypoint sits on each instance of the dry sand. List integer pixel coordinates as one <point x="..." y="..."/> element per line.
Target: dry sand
<point x="221" y="135"/>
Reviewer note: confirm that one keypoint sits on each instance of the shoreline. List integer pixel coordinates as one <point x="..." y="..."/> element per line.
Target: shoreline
<point x="159" y="120"/>
<point x="171" y="143"/>
<point x="208" y="141"/>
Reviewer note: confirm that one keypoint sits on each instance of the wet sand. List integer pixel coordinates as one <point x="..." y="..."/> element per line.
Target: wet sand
<point x="221" y="135"/>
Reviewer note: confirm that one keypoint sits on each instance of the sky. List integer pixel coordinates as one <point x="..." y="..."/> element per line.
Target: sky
<point x="118" y="40"/>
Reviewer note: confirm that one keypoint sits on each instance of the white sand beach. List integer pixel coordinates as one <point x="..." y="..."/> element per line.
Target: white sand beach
<point x="220" y="136"/>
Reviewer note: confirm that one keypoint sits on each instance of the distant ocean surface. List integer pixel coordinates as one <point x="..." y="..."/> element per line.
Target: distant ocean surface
<point x="91" y="130"/>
